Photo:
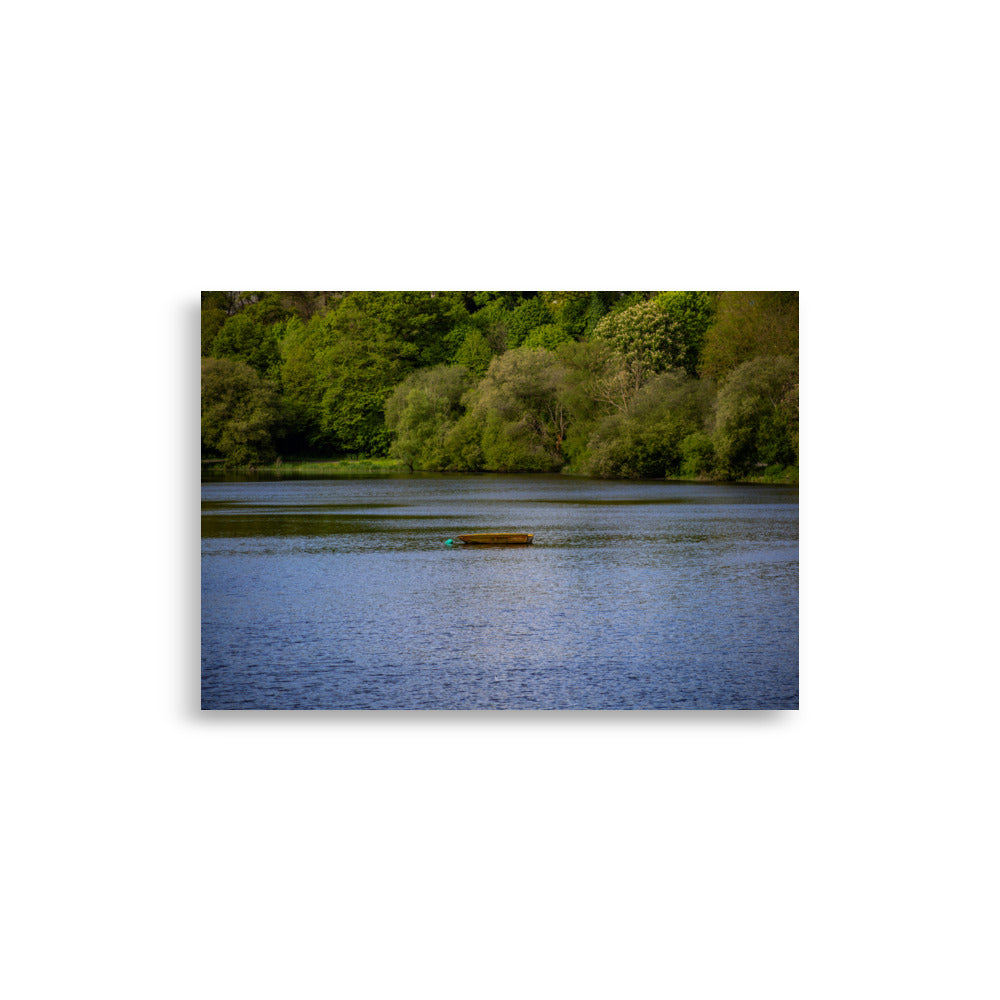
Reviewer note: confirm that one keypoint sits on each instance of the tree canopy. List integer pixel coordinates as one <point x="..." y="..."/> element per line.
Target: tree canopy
<point x="625" y="384"/>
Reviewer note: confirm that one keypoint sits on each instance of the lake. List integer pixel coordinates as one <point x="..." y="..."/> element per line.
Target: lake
<point x="341" y="593"/>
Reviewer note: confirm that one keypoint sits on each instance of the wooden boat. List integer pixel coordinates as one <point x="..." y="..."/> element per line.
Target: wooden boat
<point x="496" y="538"/>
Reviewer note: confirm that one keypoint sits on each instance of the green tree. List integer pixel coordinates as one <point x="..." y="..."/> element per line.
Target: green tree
<point x="749" y="325"/>
<point x="415" y="324"/>
<point x="358" y="366"/>
<point x="371" y="342"/>
<point x="527" y="317"/>
<point x="549" y="337"/>
<point x="474" y="351"/>
<point x="577" y="313"/>
<point x="690" y="314"/>
<point x="493" y="320"/>
<point x="645" y="441"/>
<point x="587" y="390"/>
<point x="303" y="385"/>
<point x="212" y="319"/>
<point x="697" y="455"/>
<point x="756" y="415"/>
<point x="251" y="333"/>
<point x="422" y="411"/>
<point x="243" y="338"/>
<point x="240" y="412"/>
<point x="513" y="380"/>
<point x="463" y="446"/>
<point x="517" y="413"/>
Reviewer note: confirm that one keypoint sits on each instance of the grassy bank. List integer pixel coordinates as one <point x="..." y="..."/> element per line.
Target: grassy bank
<point x="776" y="474"/>
<point x="784" y="474"/>
<point x="330" y="467"/>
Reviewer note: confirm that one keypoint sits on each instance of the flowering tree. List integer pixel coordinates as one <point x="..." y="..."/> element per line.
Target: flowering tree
<point x="647" y="340"/>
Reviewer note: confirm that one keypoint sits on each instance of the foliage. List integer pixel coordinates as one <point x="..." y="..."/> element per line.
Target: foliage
<point x="357" y="367"/>
<point x="648" y="341"/>
<point x="587" y="391"/>
<point x="690" y="314"/>
<point x="518" y="412"/>
<point x="749" y="325"/>
<point x="226" y="302"/>
<point x="756" y="415"/>
<point x="568" y="309"/>
<point x="493" y="321"/>
<point x="212" y="319"/>
<point x="303" y="385"/>
<point x="464" y="446"/>
<point x="421" y="413"/>
<point x="242" y="338"/>
<point x="527" y="317"/>
<point x="474" y="351"/>
<point x="697" y="455"/>
<point x="340" y="368"/>
<point x="628" y="384"/>
<point x="548" y="337"/>
<point x="240" y="412"/>
<point x="305" y="305"/>
<point x="411" y="324"/>
<point x="515" y="319"/>
<point x="646" y="440"/>
<point x="577" y="313"/>
<point x="251" y="332"/>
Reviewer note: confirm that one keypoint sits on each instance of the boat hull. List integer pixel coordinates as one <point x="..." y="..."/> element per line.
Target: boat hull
<point x="496" y="538"/>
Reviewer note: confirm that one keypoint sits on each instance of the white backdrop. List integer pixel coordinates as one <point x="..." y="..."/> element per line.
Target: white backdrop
<point x="847" y="849"/>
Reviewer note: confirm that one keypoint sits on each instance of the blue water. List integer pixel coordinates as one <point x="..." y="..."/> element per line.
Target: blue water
<point x="341" y="594"/>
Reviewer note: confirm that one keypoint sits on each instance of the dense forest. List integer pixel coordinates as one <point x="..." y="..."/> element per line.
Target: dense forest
<point x="610" y="384"/>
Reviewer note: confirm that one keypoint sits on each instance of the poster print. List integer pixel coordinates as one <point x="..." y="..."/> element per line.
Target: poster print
<point x="499" y="500"/>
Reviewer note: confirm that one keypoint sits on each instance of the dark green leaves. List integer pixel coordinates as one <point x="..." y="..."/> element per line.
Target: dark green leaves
<point x="629" y="384"/>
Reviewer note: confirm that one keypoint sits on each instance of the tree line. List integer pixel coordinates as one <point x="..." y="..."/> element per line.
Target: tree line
<point x="611" y="384"/>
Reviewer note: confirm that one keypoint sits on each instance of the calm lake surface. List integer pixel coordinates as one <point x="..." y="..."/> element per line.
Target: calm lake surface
<point x="341" y="594"/>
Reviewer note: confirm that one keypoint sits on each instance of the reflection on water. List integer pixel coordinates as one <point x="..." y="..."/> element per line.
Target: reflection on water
<point x="340" y="593"/>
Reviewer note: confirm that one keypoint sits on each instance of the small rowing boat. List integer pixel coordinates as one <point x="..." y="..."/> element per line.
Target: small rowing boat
<point x="496" y="538"/>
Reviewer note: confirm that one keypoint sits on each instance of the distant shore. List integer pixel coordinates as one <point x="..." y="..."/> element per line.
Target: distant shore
<point x="326" y="467"/>
<point x="776" y="475"/>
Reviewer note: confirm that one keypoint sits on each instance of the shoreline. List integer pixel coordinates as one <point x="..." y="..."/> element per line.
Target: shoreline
<point x="390" y="466"/>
